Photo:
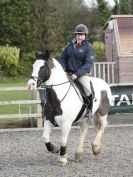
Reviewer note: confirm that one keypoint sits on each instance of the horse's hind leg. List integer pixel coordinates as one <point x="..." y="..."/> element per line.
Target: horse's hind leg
<point x="79" y="147"/>
<point x="46" y="135"/>
<point x="101" y="122"/>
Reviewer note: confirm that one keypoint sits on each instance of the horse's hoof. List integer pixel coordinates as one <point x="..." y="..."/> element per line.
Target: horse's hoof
<point x="78" y="156"/>
<point x="96" y="149"/>
<point x="96" y="152"/>
<point x="62" y="163"/>
<point x="63" y="160"/>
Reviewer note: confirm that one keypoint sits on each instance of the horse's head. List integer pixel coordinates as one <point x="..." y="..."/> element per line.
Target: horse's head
<point x="45" y="72"/>
<point x="41" y="58"/>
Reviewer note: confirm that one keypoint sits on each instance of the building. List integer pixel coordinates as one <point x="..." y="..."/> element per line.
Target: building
<point x="119" y="46"/>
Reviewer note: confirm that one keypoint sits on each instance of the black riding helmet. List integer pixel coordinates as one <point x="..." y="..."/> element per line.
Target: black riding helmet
<point x="81" y="29"/>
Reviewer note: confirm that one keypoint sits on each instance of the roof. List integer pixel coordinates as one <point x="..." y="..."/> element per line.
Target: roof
<point x="115" y="17"/>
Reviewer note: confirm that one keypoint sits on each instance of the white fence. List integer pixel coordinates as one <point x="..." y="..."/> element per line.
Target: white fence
<point x="35" y="100"/>
<point x="104" y="70"/>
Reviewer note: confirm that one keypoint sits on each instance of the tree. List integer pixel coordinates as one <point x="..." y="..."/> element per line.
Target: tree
<point x="130" y="6"/>
<point x="103" y="11"/>
<point x="16" y="24"/>
<point x="124" y="7"/>
<point x="116" y="9"/>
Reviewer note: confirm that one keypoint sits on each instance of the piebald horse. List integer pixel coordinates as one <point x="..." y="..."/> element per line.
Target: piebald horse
<point x="64" y="105"/>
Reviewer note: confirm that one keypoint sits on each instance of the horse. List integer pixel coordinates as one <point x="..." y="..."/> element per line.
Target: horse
<point x="65" y="104"/>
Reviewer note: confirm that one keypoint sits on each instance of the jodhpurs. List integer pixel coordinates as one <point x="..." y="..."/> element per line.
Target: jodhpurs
<point x="85" y="82"/>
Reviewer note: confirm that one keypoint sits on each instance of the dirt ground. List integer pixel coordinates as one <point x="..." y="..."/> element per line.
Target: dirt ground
<point x="23" y="152"/>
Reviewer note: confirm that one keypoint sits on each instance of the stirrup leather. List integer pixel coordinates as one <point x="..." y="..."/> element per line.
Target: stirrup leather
<point x="88" y="113"/>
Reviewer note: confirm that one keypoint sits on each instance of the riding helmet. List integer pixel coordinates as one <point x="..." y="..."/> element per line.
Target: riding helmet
<point x="81" y="29"/>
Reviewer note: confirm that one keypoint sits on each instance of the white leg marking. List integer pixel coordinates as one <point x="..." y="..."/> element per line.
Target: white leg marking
<point x="96" y="144"/>
<point x="79" y="147"/>
<point x="47" y="130"/>
<point x="65" y="130"/>
<point x="63" y="160"/>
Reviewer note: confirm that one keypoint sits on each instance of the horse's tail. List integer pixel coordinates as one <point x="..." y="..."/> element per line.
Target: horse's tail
<point x="109" y="94"/>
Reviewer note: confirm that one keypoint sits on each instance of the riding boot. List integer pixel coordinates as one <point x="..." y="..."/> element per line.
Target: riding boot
<point x="89" y="106"/>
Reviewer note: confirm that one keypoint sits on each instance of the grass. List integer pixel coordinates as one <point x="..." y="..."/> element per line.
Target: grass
<point x="13" y="95"/>
<point x="14" y="120"/>
<point x="15" y="81"/>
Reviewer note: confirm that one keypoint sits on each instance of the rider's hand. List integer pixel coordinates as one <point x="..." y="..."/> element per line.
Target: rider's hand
<point x="73" y="76"/>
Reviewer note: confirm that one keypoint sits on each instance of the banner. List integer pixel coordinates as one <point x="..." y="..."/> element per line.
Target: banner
<point x="122" y="100"/>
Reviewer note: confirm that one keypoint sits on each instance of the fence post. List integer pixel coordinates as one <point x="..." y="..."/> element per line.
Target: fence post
<point x="39" y="109"/>
<point x="32" y="107"/>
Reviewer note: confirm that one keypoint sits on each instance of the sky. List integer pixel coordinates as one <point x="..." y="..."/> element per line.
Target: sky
<point x="111" y="2"/>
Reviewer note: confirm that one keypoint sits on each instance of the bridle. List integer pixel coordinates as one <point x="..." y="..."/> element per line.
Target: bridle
<point x="34" y="78"/>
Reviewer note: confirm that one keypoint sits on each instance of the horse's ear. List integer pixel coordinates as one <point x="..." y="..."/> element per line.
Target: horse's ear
<point x="46" y="55"/>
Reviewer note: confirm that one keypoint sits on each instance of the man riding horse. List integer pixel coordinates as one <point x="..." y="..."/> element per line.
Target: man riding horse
<point x="77" y="59"/>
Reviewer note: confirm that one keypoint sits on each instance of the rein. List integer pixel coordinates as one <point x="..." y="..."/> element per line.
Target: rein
<point x="50" y="86"/>
<point x="54" y="85"/>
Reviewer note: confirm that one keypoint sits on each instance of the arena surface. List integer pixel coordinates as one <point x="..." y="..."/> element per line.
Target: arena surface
<point x="23" y="153"/>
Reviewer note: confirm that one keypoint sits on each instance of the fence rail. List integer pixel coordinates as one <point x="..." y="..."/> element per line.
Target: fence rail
<point x="35" y="100"/>
<point x="21" y="102"/>
<point x="10" y="116"/>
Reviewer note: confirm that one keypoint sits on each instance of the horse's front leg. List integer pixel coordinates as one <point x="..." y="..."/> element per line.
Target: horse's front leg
<point x="96" y="144"/>
<point x="46" y="135"/>
<point x="65" y="129"/>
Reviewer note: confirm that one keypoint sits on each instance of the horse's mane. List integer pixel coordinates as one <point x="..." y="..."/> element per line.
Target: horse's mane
<point x="57" y="64"/>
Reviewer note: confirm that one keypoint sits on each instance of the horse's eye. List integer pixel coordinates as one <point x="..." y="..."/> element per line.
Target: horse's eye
<point x="42" y="67"/>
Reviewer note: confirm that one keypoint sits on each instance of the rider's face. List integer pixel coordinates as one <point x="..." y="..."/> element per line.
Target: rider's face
<point x="80" y="37"/>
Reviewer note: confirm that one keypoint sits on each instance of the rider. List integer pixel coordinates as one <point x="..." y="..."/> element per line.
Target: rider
<point x="78" y="58"/>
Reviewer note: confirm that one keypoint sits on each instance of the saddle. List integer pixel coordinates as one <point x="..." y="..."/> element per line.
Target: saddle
<point x="82" y="92"/>
<point x="80" y="87"/>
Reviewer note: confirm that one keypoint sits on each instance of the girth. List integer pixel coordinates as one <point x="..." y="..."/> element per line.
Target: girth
<point x="82" y="92"/>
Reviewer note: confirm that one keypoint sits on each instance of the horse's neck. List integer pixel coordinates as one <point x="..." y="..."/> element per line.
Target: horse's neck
<point x="57" y="77"/>
<point x="59" y="82"/>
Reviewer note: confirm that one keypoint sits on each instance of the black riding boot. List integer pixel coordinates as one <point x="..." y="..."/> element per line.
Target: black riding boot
<point x="89" y="107"/>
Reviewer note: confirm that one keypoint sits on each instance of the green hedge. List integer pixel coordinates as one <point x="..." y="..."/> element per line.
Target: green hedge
<point x="99" y="48"/>
<point x="9" y="58"/>
<point x="25" y="64"/>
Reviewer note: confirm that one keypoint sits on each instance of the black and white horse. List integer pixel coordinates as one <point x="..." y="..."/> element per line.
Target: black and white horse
<point x="64" y="103"/>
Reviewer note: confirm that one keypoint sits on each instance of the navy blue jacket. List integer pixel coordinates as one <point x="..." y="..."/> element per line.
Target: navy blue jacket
<point x="77" y="59"/>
